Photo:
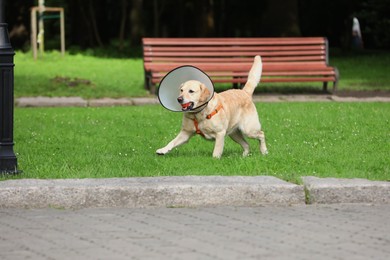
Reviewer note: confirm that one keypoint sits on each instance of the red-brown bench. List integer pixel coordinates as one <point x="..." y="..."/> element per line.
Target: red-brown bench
<point x="300" y="59"/>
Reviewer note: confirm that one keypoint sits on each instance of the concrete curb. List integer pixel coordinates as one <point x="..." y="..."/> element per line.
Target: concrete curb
<point x="188" y="191"/>
<point x="331" y="190"/>
<point x="51" y="102"/>
<point x="79" y="102"/>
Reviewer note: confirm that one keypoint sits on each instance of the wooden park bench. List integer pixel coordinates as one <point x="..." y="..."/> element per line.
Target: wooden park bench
<point x="301" y="59"/>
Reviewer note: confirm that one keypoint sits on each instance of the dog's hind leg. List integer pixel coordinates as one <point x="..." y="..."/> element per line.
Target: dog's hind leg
<point x="252" y="129"/>
<point x="238" y="137"/>
<point x="263" y="146"/>
<point x="259" y="135"/>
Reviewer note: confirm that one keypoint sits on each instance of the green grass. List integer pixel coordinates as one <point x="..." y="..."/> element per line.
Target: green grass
<point x="363" y="71"/>
<point x="322" y="139"/>
<point x="113" y="77"/>
<point x="108" y="77"/>
<point x="348" y="140"/>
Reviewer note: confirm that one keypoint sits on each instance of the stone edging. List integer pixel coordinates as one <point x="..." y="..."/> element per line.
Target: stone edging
<point x="188" y="191"/>
<point x="80" y="102"/>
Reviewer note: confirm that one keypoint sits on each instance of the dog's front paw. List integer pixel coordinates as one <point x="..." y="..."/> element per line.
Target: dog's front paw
<point x="217" y="155"/>
<point x="161" y="151"/>
<point x="245" y="153"/>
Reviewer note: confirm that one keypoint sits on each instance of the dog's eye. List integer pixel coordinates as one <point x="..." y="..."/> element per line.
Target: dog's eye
<point x="191" y="91"/>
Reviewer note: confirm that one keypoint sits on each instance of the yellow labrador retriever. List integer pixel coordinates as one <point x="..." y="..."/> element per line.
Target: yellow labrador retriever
<point x="231" y="113"/>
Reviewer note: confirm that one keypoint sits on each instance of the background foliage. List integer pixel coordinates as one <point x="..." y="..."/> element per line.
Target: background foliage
<point x="120" y="24"/>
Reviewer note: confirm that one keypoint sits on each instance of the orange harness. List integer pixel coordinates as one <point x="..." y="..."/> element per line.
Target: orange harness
<point x="209" y="116"/>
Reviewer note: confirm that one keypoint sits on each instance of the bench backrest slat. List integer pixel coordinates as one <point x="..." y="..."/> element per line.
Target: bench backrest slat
<point x="235" y="54"/>
<point x="178" y="48"/>
<point x="233" y="41"/>
<point x="232" y="59"/>
<point x="224" y="49"/>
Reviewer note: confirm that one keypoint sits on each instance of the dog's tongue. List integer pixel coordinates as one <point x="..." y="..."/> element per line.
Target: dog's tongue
<point x="186" y="105"/>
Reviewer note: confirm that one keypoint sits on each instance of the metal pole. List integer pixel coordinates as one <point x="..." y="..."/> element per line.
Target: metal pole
<point x="62" y="28"/>
<point x="41" y="30"/>
<point x="34" y="44"/>
<point x="8" y="160"/>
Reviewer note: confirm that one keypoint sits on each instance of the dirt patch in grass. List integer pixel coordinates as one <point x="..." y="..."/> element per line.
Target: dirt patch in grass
<point x="72" y="82"/>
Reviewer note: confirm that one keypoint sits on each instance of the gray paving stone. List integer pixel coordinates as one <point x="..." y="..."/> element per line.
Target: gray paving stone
<point x="145" y="101"/>
<point x="77" y="101"/>
<point x="186" y="191"/>
<point x="356" y="99"/>
<point x="337" y="231"/>
<point x="109" y="102"/>
<point x="332" y="190"/>
<point x="51" y="102"/>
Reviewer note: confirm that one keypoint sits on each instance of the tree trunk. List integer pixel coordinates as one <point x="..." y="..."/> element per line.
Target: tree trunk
<point x="136" y="22"/>
<point x="123" y="24"/>
<point x="94" y="24"/>
<point x="87" y="23"/>
<point x="281" y="18"/>
<point x="156" y="20"/>
<point x="207" y="23"/>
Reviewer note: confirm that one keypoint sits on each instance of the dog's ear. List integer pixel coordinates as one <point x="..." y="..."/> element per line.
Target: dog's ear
<point x="205" y="93"/>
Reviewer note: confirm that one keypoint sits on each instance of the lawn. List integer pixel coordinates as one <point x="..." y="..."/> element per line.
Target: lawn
<point x="321" y="139"/>
<point x="363" y="71"/>
<point x="77" y="75"/>
<point x="325" y="139"/>
<point x="96" y="77"/>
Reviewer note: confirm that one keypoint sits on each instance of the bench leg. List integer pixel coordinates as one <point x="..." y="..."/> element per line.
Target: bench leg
<point x="237" y="85"/>
<point x="334" y="86"/>
<point x="148" y="82"/>
<point x="325" y="86"/>
<point x="335" y="83"/>
<point x="153" y="89"/>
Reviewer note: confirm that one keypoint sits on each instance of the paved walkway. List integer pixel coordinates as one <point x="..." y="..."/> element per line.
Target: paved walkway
<point x="80" y="102"/>
<point x="341" y="231"/>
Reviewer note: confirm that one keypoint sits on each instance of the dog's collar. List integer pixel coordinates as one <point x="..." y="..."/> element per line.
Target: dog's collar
<point x="195" y="110"/>
<point x="209" y="116"/>
<point x="215" y="111"/>
<point x="203" y="106"/>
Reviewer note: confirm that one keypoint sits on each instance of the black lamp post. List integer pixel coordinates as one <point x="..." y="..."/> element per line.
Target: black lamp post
<point x="8" y="161"/>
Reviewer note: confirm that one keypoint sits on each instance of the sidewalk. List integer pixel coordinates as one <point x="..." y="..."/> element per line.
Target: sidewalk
<point x="80" y="102"/>
<point x="339" y="231"/>
<point x="188" y="191"/>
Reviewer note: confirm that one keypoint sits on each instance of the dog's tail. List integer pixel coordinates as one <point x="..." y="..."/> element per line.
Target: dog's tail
<point x="254" y="76"/>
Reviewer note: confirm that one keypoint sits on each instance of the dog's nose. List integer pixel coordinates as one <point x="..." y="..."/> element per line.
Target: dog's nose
<point x="180" y="99"/>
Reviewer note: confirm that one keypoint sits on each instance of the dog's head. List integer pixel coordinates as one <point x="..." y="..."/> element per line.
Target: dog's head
<point x="192" y="95"/>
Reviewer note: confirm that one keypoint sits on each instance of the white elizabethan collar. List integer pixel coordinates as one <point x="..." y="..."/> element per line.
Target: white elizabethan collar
<point x="169" y="88"/>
